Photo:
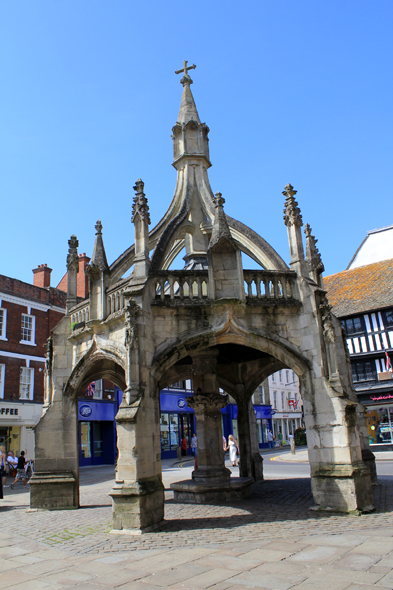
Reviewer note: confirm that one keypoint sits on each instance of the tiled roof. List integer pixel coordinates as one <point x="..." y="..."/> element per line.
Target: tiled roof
<point x="361" y="289"/>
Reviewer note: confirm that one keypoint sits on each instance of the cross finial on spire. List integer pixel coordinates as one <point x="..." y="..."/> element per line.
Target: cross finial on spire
<point x="186" y="78"/>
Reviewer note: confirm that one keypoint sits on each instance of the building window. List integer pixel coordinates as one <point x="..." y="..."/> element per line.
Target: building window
<point x="283" y="400"/>
<point x="28" y="329"/>
<point x="388" y="318"/>
<point x="287" y="376"/>
<point x="353" y="326"/>
<point x="2" y="377"/>
<point x="275" y="399"/>
<point x="26" y="384"/>
<point x="3" y="324"/>
<point x="280" y="376"/>
<point x="261" y="394"/>
<point x="273" y="377"/>
<point x="363" y="371"/>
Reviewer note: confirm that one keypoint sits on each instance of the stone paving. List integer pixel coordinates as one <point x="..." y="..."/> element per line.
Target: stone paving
<point x="270" y="541"/>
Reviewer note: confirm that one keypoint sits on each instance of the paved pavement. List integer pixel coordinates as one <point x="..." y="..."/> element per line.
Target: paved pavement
<point x="270" y="541"/>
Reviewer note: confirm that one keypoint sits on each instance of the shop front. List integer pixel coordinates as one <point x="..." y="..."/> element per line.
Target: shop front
<point x="263" y="414"/>
<point x="177" y="421"/>
<point x="285" y="424"/>
<point x="97" y="432"/>
<point x="379" y="417"/>
<point x="17" y="420"/>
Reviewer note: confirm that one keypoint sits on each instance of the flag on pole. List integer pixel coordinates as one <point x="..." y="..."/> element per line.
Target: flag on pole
<point x="91" y="389"/>
<point x="388" y="363"/>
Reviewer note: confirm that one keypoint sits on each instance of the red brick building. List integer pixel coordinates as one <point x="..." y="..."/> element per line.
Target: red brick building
<point x="27" y="315"/>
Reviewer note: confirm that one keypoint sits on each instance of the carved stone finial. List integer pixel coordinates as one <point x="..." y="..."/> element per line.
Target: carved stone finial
<point x="313" y="256"/>
<point x="72" y="257"/>
<point x="219" y="200"/>
<point x="98" y="227"/>
<point x="140" y="206"/>
<point x="292" y="214"/>
<point x="186" y="78"/>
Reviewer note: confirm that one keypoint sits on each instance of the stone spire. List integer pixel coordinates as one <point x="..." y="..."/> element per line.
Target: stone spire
<point x="220" y="227"/>
<point x="189" y="134"/>
<point x="72" y="270"/>
<point x="98" y="258"/>
<point x="224" y="258"/>
<point x="293" y="221"/>
<point x="188" y="111"/>
<point x="313" y="257"/>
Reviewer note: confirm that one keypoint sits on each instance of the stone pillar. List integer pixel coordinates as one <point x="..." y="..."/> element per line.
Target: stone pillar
<point x="138" y="494"/>
<point x="72" y="270"/>
<point x="207" y="403"/>
<point x="141" y="219"/>
<point x="207" y="407"/>
<point x="243" y="429"/>
<point x="212" y="480"/>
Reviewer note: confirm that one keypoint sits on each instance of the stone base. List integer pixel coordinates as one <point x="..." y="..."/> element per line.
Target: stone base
<point x="53" y="491"/>
<point x="137" y="506"/>
<point x="369" y="461"/>
<point x="194" y="492"/>
<point x="342" y="488"/>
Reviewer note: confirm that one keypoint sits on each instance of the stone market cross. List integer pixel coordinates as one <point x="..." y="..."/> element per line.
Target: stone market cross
<point x="146" y="326"/>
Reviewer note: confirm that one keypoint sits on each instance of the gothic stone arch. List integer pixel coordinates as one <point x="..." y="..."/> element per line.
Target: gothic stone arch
<point x="217" y="322"/>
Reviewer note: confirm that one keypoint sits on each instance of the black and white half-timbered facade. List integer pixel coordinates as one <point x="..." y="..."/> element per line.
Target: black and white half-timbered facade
<point x="362" y="298"/>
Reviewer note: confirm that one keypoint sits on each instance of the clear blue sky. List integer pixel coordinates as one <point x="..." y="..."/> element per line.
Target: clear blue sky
<point x="293" y="91"/>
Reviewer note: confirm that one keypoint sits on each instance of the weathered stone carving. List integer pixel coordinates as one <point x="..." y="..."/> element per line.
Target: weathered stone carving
<point x="49" y="355"/>
<point x="313" y="256"/>
<point x="292" y="214"/>
<point x="209" y="403"/>
<point x="131" y="315"/>
<point x="72" y="257"/>
<point x="140" y="206"/>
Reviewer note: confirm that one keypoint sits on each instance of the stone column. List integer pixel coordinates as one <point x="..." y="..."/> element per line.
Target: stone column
<point x="243" y="428"/>
<point x="207" y="403"/>
<point x="207" y="407"/>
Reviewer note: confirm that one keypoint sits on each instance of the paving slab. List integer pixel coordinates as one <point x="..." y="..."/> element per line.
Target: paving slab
<point x="269" y="541"/>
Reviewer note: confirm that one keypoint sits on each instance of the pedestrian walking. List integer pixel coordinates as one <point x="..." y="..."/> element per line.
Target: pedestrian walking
<point x="233" y="449"/>
<point x="270" y="439"/>
<point x="184" y="446"/>
<point x="194" y="445"/>
<point x="21" y="470"/>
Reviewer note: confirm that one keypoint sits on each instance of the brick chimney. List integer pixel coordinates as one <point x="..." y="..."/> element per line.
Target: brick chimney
<point x="42" y="276"/>
<point x="82" y="286"/>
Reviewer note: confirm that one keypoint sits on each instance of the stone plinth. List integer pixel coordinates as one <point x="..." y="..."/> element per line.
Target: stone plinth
<point x="53" y="491"/>
<point x="342" y="488"/>
<point x="138" y="507"/>
<point x="195" y="492"/>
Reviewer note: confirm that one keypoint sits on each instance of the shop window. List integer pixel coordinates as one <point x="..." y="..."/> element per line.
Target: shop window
<point x="28" y="329"/>
<point x="3" y="324"/>
<point x="379" y="425"/>
<point x="2" y="377"/>
<point x="26" y="383"/>
<point x="86" y="440"/>
<point x="388" y="318"/>
<point x="353" y="326"/>
<point x="363" y="371"/>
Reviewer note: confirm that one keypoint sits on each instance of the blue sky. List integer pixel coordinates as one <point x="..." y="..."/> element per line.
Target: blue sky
<point x="292" y="91"/>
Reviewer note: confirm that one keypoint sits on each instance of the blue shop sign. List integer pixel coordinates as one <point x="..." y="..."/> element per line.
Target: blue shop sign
<point x="261" y="412"/>
<point x="173" y="402"/>
<point x="96" y="410"/>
